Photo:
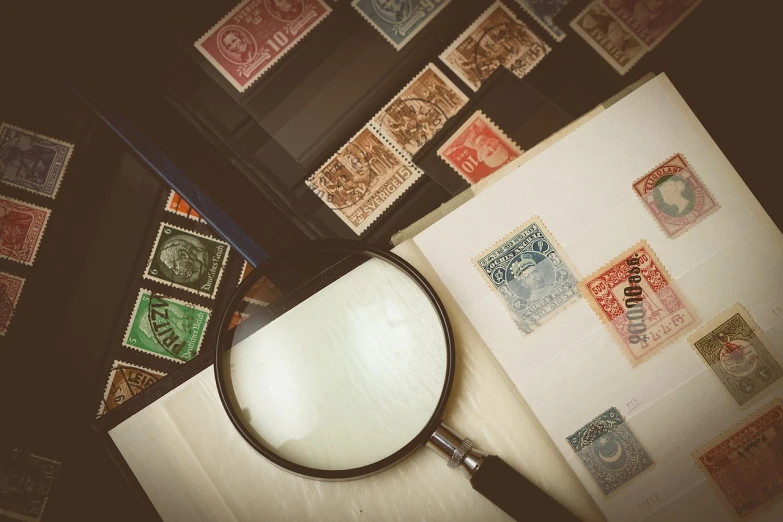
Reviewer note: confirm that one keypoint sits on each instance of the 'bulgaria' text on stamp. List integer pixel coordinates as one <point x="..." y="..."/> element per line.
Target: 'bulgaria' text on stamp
<point x="609" y="37"/>
<point x="530" y="272"/>
<point x="21" y="229"/>
<point x="10" y="290"/>
<point x="32" y="161"/>
<point x="125" y="382"/>
<point x="398" y="22"/>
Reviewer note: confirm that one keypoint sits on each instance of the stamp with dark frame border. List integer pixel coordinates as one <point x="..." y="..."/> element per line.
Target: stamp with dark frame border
<point x="22" y="227"/>
<point x="10" y="290"/>
<point x="399" y="26"/>
<point x="27" y="480"/>
<point x="187" y="260"/>
<point x="125" y="381"/>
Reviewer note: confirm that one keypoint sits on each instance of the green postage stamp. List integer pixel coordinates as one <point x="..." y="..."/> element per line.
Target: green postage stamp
<point x="166" y="327"/>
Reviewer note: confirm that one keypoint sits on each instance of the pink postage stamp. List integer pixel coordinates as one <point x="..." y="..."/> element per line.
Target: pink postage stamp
<point x="650" y="20"/>
<point x="255" y="34"/>
<point x="10" y="290"/>
<point x="478" y="149"/>
<point x="21" y="229"/>
<point x="609" y="37"/>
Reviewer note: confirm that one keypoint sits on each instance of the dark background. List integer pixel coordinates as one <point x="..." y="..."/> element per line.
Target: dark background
<point x="250" y="153"/>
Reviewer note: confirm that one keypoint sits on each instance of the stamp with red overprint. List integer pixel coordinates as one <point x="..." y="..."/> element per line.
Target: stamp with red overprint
<point x="478" y="149"/>
<point x="651" y="21"/>
<point x="10" y="290"/>
<point x="637" y="298"/>
<point x="21" y="229"/>
<point x="675" y="195"/>
<point x="255" y="34"/>
<point x="746" y="464"/>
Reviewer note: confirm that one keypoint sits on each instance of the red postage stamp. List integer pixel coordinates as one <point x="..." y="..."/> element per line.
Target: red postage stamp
<point x="649" y="20"/>
<point x="675" y="195"/>
<point x="636" y="296"/>
<point x="21" y="229"/>
<point x="478" y="149"/>
<point x="176" y="205"/>
<point x="746" y="464"/>
<point x="255" y="34"/>
<point x="10" y="290"/>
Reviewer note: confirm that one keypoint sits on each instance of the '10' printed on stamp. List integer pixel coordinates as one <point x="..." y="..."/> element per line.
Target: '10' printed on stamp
<point x="399" y="22"/>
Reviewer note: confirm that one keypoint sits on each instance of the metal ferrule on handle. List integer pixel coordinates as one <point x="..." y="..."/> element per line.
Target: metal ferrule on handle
<point x="458" y="451"/>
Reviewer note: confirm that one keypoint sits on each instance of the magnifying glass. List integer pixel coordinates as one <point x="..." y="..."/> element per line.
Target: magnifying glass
<point x="346" y="368"/>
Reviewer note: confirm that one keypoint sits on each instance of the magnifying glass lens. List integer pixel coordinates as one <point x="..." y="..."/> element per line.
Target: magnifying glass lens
<point x="334" y="363"/>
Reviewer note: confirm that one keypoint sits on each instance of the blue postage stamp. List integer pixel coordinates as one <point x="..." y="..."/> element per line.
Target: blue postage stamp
<point x="544" y="12"/>
<point x="32" y="161"/>
<point x="399" y="20"/>
<point x="529" y="270"/>
<point x="610" y="451"/>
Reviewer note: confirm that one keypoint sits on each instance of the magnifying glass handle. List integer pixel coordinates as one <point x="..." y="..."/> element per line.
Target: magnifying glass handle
<point x="497" y="481"/>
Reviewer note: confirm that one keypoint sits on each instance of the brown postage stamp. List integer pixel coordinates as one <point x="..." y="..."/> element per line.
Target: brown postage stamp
<point x="363" y="179"/>
<point x="651" y="21"/>
<point x="420" y="110"/>
<point x="125" y="382"/>
<point x="21" y="229"/>
<point x="675" y="195"/>
<point x="736" y="350"/>
<point x="609" y="37"/>
<point x="745" y="464"/>
<point x="10" y="290"/>
<point x="496" y="39"/>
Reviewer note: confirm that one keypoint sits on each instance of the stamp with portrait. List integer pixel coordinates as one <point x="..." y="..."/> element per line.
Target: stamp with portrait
<point x="737" y="351"/>
<point x="166" y="327"/>
<point x="10" y="290"/>
<point x="255" y="34"/>
<point x="420" y="110"/>
<point x="544" y="12"/>
<point x="363" y="179"/>
<point x="610" y="451"/>
<point x="176" y="205"/>
<point x="32" y="161"/>
<point x="187" y="260"/>
<point x="609" y="37"/>
<point x="650" y="21"/>
<point x="636" y="297"/>
<point x="21" y="229"/>
<point x="675" y="195"/>
<point x="26" y="482"/>
<point x="125" y="382"/>
<point x="478" y="149"/>
<point x="496" y="39"/>
<point x="399" y="20"/>
<point x="745" y="463"/>
<point x="530" y="273"/>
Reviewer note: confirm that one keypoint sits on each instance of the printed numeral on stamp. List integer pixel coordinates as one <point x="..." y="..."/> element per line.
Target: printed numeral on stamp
<point x="125" y="382"/>
<point x="399" y="22"/>
<point x="21" y="229"/>
<point x="10" y="290"/>
<point x="27" y="480"/>
<point x="176" y="205"/>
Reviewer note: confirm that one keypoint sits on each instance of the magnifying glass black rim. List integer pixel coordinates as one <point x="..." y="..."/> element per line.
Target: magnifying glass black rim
<point x="334" y="245"/>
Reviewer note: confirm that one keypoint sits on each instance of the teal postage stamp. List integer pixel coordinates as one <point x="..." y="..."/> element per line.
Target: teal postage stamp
<point x="399" y="20"/>
<point x="166" y="327"/>
<point x="187" y="260"/>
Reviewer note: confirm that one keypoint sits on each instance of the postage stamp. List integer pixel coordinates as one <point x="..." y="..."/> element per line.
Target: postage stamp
<point x="544" y="12"/>
<point x="26" y="480"/>
<point x="420" y="110"/>
<point x="263" y="292"/>
<point x="609" y="37"/>
<point x="478" y="149"/>
<point x="21" y="229"/>
<point x="176" y="205"/>
<point x="399" y="20"/>
<point x="650" y="21"/>
<point x="610" y="451"/>
<point x="745" y="464"/>
<point x="675" y="195"/>
<point x="10" y="290"/>
<point x="496" y="39"/>
<point x="735" y="348"/>
<point x="636" y="296"/>
<point x="125" y="381"/>
<point x="529" y="271"/>
<point x="363" y="179"/>
<point x="255" y="34"/>
<point x="187" y="260"/>
<point x="32" y="161"/>
<point x="166" y="327"/>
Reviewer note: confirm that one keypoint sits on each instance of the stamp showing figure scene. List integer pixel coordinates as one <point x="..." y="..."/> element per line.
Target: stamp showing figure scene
<point x="529" y="272"/>
<point x="26" y="482"/>
<point x="478" y="149"/>
<point x="399" y="20"/>
<point x="187" y="260"/>
<point x="651" y="21"/>
<point x="176" y="205"/>
<point x="363" y="179"/>
<point x="255" y="34"/>
<point x="636" y="297"/>
<point x="496" y="39"/>
<point x="745" y="464"/>
<point x="10" y="290"/>
<point x="32" y="161"/>
<point x="675" y="195"/>
<point x="610" y="451"/>
<point x="125" y="382"/>
<point x="166" y="327"/>
<point x="544" y="12"/>
<point x="420" y="110"/>
<point x="609" y="37"/>
<point x="737" y="351"/>
<point x="21" y="229"/>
